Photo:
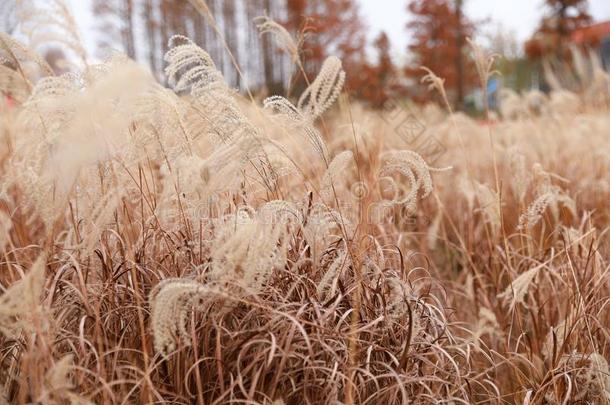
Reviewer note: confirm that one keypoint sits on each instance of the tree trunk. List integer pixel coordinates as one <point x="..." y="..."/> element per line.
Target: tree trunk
<point x="459" y="62"/>
<point x="151" y="34"/>
<point x="128" y="30"/>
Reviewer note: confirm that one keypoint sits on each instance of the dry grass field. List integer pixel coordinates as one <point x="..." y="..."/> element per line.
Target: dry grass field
<point x="192" y="245"/>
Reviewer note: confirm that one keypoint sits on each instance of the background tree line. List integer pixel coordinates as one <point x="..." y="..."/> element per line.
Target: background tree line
<point x="142" y="28"/>
<point x="437" y="30"/>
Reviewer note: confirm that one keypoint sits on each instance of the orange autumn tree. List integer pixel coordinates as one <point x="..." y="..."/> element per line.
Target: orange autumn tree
<point x="330" y="27"/>
<point x="438" y="29"/>
<point x="378" y="82"/>
<point x="562" y="18"/>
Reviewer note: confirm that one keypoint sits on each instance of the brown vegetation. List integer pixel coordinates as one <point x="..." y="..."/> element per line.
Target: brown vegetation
<point x="194" y="246"/>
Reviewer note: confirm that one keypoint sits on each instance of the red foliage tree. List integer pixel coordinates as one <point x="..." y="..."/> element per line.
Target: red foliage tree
<point x="385" y="66"/>
<point x="378" y="82"/>
<point x="438" y="29"/>
<point x="562" y="19"/>
<point x="331" y="27"/>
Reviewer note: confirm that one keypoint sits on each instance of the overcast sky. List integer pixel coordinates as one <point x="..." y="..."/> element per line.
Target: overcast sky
<point x="520" y="16"/>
